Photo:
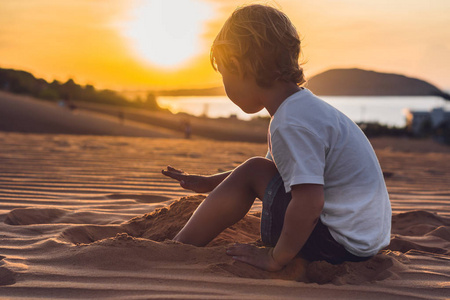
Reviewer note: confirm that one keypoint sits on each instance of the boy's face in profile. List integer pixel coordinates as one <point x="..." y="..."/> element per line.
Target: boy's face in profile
<point x="242" y="90"/>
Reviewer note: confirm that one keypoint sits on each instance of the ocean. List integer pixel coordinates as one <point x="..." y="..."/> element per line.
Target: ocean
<point x="386" y="110"/>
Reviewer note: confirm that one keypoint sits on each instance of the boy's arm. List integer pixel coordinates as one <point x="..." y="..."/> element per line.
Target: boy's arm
<point x="196" y="183"/>
<point x="301" y="217"/>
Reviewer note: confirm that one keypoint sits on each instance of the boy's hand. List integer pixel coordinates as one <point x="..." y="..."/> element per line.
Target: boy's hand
<point x="196" y="183"/>
<point x="256" y="256"/>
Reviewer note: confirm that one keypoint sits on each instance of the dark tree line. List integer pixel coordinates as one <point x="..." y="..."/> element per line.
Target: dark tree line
<point x="21" y="82"/>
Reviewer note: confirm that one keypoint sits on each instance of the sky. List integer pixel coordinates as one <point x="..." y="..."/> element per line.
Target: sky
<point x="164" y="44"/>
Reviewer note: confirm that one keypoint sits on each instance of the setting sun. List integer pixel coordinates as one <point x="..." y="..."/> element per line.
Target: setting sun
<point x="167" y="33"/>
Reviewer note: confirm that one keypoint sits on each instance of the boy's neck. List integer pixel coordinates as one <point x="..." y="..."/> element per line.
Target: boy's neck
<point x="274" y="96"/>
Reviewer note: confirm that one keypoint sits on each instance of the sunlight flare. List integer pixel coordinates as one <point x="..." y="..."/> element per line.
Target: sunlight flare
<point x="167" y="33"/>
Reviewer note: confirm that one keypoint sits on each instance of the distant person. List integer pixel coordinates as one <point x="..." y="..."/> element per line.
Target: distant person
<point x="72" y="106"/>
<point x="67" y="102"/>
<point x="322" y="188"/>
<point x="187" y="129"/>
<point x="121" y="116"/>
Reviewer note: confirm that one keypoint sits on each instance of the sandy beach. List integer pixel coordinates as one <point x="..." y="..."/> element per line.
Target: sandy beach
<point x="87" y="214"/>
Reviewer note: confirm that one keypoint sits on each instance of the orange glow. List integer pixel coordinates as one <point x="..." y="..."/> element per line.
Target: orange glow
<point x="120" y="44"/>
<point x="167" y="37"/>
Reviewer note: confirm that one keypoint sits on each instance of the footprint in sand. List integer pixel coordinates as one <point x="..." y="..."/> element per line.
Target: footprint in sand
<point x="34" y="216"/>
<point x="7" y="277"/>
<point x="29" y="216"/>
<point x="88" y="234"/>
<point x="420" y="230"/>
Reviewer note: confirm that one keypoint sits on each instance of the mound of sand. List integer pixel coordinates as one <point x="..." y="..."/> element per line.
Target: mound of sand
<point x="160" y="225"/>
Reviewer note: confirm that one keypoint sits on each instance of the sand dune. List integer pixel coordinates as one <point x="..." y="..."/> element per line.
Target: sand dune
<point x="27" y="114"/>
<point x="88" y="217"/>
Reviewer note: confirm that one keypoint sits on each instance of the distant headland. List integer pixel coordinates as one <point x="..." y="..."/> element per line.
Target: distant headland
<point x="358" y="82"/>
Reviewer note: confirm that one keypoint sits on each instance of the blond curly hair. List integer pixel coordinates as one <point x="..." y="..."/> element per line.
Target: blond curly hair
<point x="264" y="41"/>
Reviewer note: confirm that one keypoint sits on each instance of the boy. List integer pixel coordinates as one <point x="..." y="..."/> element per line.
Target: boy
<point x="322" y="188"/>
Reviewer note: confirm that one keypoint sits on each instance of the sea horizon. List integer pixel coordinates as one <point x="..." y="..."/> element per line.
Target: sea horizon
<point x="386" y="110"/>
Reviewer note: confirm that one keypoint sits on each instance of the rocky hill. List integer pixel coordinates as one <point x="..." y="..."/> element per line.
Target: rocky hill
<point x="357" y="82"/>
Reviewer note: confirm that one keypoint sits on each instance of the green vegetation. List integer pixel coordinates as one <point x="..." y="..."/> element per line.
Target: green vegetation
<point x="21" y="82"/>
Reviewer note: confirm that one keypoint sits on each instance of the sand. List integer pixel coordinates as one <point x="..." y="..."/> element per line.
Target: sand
<point x="90" y="216"/>
<point x="20" y="113"/>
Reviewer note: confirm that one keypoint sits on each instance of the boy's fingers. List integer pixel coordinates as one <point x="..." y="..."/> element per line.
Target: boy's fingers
<point x="245" y="254"/>
<point x="172" y="169"/>
<point x="244" y="259"/>
<point x="174" y="175"/>
<point x="239" y="250"/>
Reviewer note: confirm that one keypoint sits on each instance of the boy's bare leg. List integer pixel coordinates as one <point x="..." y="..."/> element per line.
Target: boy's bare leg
<point x="229" y="202"/>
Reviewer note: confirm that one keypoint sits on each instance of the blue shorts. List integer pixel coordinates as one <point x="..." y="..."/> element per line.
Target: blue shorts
<point x="320" y="245"/>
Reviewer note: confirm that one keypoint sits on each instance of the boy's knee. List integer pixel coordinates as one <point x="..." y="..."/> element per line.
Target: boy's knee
<point x="258" y="166"/>
<point x="259" y="162"/>
<point x="257" y="173"/>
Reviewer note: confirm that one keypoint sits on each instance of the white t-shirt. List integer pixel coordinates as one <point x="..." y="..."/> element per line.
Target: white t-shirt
<point x="312" y="142"/>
